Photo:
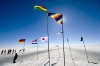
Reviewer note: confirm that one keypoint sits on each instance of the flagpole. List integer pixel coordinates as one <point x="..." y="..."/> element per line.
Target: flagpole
<point x="63" y="44"/>
<point x="23" y="51"/>
<point x="86" y="52"/>
<point x="37" y="51"/>
<point x="48" y="38"/>
<point x="70" y="52"/>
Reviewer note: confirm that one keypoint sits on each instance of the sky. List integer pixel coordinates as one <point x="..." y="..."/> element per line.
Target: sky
<point x="19" y="20"/>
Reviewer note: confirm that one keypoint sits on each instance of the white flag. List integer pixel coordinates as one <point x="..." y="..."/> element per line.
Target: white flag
<point x="60" y="32"/>
<point x="44" y="39"/>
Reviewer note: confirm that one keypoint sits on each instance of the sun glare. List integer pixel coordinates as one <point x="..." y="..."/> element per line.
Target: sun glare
<point x="64" y="18"/>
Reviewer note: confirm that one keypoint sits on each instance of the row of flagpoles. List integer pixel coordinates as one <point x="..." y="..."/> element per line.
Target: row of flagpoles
<point x="22" y="41"/>
<point x="59" y="18"/>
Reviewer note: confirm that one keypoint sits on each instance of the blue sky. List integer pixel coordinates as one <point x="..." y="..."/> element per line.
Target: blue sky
<point x="18" y="20"/>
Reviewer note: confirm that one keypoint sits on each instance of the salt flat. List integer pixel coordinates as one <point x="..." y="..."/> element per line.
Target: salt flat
<point x="78" y="54"/>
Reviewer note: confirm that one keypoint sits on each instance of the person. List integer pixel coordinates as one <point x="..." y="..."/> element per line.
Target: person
<point x="5" y="51"/>
<point x="12" y="51"/>
<point x="2" y="52"/>
<point x="8" y="51"/>
<point x="15" y="57"/>
<point x="15" y="50"/>
<point x="23" y="50"/>
<point x="20" y="50"/>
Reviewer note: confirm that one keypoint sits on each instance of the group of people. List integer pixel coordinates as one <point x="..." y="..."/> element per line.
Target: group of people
<point x="9" y="51"/>
<point x="16" y="55"/>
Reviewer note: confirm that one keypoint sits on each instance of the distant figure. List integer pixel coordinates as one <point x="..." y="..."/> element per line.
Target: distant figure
<point x="12" y="51"/>
<point x="5" y="52"/>
<point x="15" y="50"/>
<point x="15" y="57"/>
<point x="23" y="50"/>
<point x="20" y="50"/>
<point x="2" y="52"/>
<point x="8" y="52"/>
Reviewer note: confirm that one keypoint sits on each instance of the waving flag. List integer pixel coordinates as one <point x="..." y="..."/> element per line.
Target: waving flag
<point x="44" y="39"/>
<point x="67" y="40"/>
<point x="81" y="39"/>
<point x="60" y="32"/>
<point x="57" y="17"/>
<point x="40" y="8"/>
<point x="22" y="41"/>
<point x="34" y="41"/>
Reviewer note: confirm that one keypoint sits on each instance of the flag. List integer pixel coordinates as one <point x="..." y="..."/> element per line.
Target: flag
<point x="34" y="41"/>
<point x="81" y="39"/>
<point x="40" y="8"/>
<point x="60" y="32"/>
<point x="44" y="39"/>
<point x="22" y="41"/>
<point x="57" y="17"/>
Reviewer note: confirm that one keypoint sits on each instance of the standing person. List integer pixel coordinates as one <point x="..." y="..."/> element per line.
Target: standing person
<point x="5" y="51"/>
<point x="15" y="57"/>
<point x="8" y="52"/>
<point x="2" y="52"/>
<point x="12" y="51"/>
<point x="15" y="50"/>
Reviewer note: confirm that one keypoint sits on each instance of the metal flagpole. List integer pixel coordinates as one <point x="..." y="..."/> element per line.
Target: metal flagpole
<point x="63" y="44"/>
<point x="86" y="52"/>
<point x="70" y="52"/>
<point x="37" y="51"/>
<point x="23" y="51"/>
<point x="48" y="38"/>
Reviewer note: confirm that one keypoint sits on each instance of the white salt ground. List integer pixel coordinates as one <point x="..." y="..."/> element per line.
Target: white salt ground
<point x="78" y="53"/>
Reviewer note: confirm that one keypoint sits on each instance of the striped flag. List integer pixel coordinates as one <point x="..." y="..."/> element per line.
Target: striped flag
<point x="57" y="17"/>
<point x="34" y="41"/>
<point x="22" y="41"/>
<point x="40" y="8"/>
